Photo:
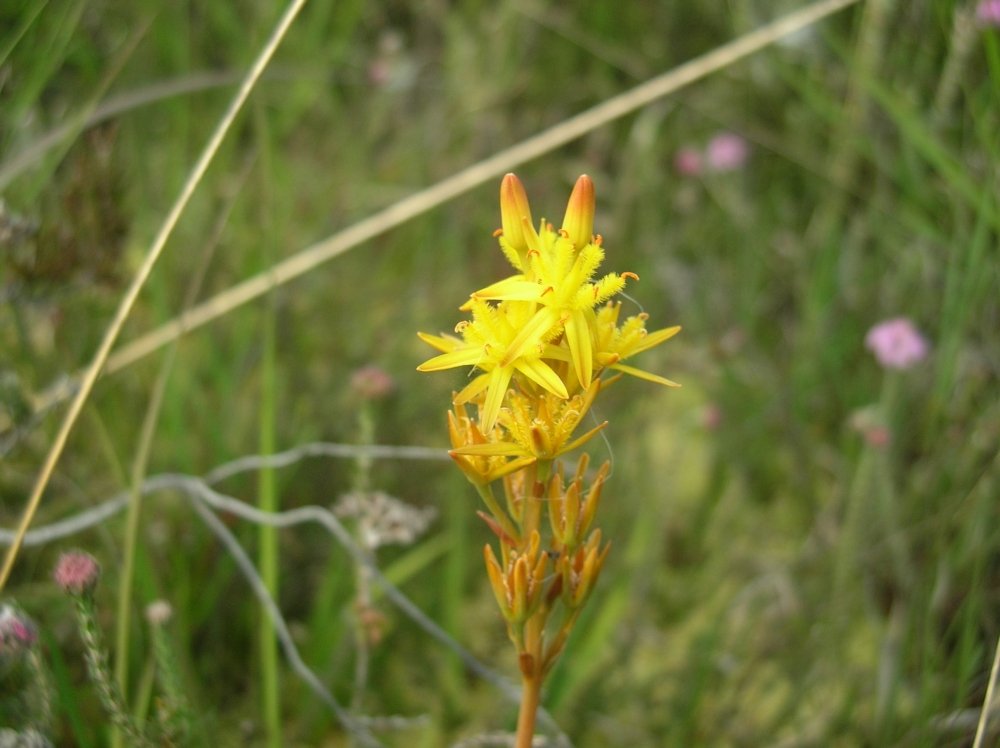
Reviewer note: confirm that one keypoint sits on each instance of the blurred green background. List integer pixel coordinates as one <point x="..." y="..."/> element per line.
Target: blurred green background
<point x="805" y="542"/>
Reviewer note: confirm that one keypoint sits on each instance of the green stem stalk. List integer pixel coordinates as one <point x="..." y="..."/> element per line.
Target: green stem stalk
<point x="97" y="668"/>
<point x="486" y="494"/>
<point x="267" y="490"/>
<point x="362" y="595"/>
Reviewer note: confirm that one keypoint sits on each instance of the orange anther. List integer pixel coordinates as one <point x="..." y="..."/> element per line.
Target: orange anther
<point x="497" y="233"/>
<point x="630" y="275"/>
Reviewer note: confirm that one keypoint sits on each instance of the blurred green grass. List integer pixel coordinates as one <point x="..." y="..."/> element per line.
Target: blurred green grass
<point x="775" y="579"/>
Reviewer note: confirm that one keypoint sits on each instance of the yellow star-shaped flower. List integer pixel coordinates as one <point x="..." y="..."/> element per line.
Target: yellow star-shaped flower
<point x="539" y="328"/>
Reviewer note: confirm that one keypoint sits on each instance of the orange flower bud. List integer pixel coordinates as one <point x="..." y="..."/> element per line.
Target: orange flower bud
<point x="514" y="213"/>
<point x="593" y="499"/>
<point x="578" y="223"/>
<point x="498" y="582"/>
<point x="564" y="511"/>
<point x="580" y="571"/>
<point x="520" y="582"/>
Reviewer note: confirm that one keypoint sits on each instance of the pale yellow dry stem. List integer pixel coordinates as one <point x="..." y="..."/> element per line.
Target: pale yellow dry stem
<point x="457" y="184"/>
<point x="89" y="376"/>
<point x="987" y="700"/>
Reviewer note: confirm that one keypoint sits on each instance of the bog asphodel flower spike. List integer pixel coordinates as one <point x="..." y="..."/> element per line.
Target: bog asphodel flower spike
<point x="544" y="341"/>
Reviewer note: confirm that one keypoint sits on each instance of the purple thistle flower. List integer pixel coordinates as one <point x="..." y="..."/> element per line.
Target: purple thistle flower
<point x="688" y="162"/>
<point x="371" y="382"/>
<point x="897" y="343"/>
<point x="77" y="572"/>
<point x="727" y="151"/>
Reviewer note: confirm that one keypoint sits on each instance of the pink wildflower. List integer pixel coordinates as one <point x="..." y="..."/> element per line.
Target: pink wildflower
<point x="77" y="572"/>
<point x="869" y="423"/>
<point x="17" y="632"/>
<point x="688" y="162"/>
<point x="372" y="382"/>
<point x="379" y="72"/>
<point x="878" y="437"/>
<point x="988" y="13"/>
<point x="712" y="417"/>
<point x="727" y="151"/>
<point x="897" y="343"/>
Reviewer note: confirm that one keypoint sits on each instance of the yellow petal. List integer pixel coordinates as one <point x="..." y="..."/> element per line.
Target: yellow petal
<point x="533" y="333"/>
<point x="654" y="339"/>
<point x="542" y="374"/>
<point x="444" y="343"/>
<point x="578" y="337"/>
<point x="490" y="449"/>
<point x="644" y="375"/>
<point x="585" y="438"/>
<point x="463" y="357"/>
<point x="556" y="352"/>
<point x="511" y="289"/>
<point x="499" y="379"/>
<point x="472" y="389"/>
<point x="509" y="467"/>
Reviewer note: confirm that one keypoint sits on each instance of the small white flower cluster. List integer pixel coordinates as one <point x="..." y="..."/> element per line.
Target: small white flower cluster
<point x="383" y="519"/>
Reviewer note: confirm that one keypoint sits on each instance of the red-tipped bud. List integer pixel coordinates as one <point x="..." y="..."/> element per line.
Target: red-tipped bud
<point x="578" y="222"/>
<point x="514" y="213"/>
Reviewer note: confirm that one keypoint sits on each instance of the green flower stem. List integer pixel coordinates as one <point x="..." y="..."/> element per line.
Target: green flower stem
<point x="502" y="518"/>
<point x="362" y="577"/>
<point x="532" y="513"/>
<point x="366" y="436"/>
<point x="530" y="650"/>
<point x="268" y="539"/>
<point x="97" y="668"/>
<point x="41" y="691"/>
<point x="516" y="633"/>
<point x="174" y="714"/>
<point x="555" y="647"/>
<point x="884" y="480"/>
<point x="362" y="656"/>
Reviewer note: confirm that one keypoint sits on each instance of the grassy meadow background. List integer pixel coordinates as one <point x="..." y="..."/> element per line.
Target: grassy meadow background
<point x="805" y="544"/>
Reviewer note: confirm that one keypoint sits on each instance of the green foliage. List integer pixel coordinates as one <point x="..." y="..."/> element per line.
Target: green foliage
<point x="778" y="574"/>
